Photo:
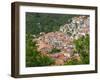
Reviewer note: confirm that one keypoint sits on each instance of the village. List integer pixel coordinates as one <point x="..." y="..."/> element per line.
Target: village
<point x="59" y="44"/>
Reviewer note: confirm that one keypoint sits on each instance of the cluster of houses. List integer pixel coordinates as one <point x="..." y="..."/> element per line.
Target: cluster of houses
<point x="53" y="40"/>
<point x="57" y="40"/>
<point x="79" y="26"/>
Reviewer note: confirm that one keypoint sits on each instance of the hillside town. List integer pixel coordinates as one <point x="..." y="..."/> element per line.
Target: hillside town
<point x="62" y="40"/>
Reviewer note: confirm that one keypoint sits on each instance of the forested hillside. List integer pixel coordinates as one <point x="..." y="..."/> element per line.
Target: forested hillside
<point x="57" y="39"/>
<point x="41" y="22"/>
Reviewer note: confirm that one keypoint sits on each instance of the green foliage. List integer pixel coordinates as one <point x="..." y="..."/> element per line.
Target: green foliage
<point x="82" y="47"/>
<point x="43" y="22"/>
<point x="33" y="57"/>
<point x="42" y="61"/>
<point x="55" y="50"/>
<point x="73" y="62"/>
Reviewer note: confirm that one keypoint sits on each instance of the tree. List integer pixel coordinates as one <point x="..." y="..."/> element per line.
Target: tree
<point x="82" y="47"/>
<point x="34" y="57"/>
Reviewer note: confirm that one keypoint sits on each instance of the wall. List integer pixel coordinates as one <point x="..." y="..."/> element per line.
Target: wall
<point x="5" y="40"/>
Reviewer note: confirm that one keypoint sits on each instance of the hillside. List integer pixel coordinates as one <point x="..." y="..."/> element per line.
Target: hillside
<point x="56" y="39"/>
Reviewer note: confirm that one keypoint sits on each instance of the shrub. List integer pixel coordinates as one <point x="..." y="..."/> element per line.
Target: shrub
<point x="82" y="47"/>
<point x="73" y="62"/>
<point x="34" y="57"/>
<point x="55" y="50"/>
